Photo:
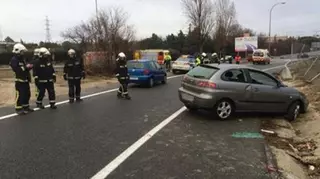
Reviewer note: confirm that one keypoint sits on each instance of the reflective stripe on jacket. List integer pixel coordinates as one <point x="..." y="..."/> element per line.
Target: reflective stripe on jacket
<point x="198" y="61"/>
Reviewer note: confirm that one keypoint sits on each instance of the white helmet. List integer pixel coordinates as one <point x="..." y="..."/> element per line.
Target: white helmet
<point x="214" y="54"/>
<point x="71" y="52"/>
<point x="36" y="51"/>
<point x="18" y="48"/>
<point x="121" y="55"/>
<point x="203" y="54"/>
<point x="47" y="52"/>
<point x="43" y="51"/>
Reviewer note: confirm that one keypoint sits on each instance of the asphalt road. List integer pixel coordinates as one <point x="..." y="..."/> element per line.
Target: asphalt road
<point x="104" y="134"/>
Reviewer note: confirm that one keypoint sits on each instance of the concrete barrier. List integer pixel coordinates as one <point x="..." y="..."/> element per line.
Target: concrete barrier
<point x="285" y="74"/>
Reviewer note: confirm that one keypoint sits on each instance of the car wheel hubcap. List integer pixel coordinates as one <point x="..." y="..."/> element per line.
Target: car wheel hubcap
<point x="224" y="110"/>
<point x="296" y="111"/>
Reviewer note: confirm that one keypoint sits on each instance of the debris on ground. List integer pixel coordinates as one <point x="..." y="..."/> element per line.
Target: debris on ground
<point x="296" y="145"/>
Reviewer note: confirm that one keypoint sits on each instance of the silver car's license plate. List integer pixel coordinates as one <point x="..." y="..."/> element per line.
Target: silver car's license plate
<point x="187" y="97"/>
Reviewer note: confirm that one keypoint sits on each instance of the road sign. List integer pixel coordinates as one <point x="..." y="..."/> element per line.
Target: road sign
<point x="243" y="44"/>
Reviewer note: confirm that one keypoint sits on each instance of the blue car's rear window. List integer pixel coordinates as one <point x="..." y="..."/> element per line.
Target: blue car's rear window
<point x="136" y="65"/>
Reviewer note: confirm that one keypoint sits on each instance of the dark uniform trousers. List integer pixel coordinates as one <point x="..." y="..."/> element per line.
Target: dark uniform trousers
<point x="42" y="87"/>
<point x="123" y="89"/>
<point x="74" y="88"/>
<point x="22" y="95"/>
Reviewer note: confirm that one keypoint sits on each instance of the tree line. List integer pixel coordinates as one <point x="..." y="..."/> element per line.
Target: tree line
<point x="213" y="28"/>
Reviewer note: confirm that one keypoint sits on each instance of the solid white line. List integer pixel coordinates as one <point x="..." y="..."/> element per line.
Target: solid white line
<point x="103" y="173"/>
<point x="66" y="101"/>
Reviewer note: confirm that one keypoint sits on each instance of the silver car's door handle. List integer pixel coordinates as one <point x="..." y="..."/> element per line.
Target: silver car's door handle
<point x="248" y="88"/>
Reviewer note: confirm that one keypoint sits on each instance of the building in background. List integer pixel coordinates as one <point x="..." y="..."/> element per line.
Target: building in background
<point x="276" y="39"/>
<point x="315" y="46"/>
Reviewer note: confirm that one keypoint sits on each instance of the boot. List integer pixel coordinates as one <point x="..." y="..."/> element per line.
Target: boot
<point x="40" y="105"/>
<point x="119" y="95"/>
<point x="71" y="100"/>
<point x="53" y="106"/>
<point x="127" y="97"/>
<point x="27" y="110"/>
<point x="79" y="100"/>
<point x="20" y="112"/>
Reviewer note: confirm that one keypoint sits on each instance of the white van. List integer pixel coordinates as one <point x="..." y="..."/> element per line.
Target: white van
<point x="261" y="56"/>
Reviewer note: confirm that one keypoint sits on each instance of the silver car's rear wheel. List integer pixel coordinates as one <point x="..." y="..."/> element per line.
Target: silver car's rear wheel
<point x="224" y="109"/>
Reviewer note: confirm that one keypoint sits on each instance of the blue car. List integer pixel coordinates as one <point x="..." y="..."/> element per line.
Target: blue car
<point x="146" y="72"/>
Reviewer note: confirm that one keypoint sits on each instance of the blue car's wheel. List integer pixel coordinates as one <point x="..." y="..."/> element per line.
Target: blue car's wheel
<point x="150" y="82"/>
<point x="164" y="80"/>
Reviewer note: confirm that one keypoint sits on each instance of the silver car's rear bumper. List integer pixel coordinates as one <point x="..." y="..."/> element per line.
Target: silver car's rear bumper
<point x="204" y="101"/>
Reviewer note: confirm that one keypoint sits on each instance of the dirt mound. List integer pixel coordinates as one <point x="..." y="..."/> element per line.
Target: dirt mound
<point x="296" y="145"/>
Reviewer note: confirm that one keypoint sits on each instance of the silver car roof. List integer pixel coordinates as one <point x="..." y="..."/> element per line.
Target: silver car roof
<point x="225" y="67"/>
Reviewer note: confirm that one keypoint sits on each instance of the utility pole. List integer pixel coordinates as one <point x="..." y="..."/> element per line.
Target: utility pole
<point x="1" y="35"/>
<point x="47" y="28"/>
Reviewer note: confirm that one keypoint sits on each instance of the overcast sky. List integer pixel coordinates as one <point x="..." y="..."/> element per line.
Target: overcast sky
<point x="25" y="19"/>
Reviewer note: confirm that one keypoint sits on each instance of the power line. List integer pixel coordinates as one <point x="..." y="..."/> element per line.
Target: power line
<point x="48" y="35"/>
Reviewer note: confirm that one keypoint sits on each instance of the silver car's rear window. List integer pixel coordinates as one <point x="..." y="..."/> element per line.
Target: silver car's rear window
<point x="203" y="72"/>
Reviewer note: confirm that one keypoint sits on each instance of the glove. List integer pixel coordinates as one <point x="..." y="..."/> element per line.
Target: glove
<point x="65" y="77"/>
<point x="83" y="75"/>
<point x="36" y="81"/>
<point x="54" y="79"/>
<point x="29" y="66"/>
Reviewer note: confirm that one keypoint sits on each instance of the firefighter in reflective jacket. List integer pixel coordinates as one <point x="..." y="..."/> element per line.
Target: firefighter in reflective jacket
<point x="22" y="79"/>
<point x="121" y="72"/>
<point x="44" y="77"/>
<point x="74" y="72"/>
<point x="198" y="61"/>
<point x="238" y="59"/>
<point x="167" y="59"/>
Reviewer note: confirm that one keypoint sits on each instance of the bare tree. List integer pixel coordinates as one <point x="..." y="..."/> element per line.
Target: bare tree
<point x="108" y="32"/>
<point x="79" y="34"/>
<point x="226" y="23"/>
<point x="200" y="14"/>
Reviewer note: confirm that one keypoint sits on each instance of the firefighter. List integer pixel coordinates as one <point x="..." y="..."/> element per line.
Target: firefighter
<point x="204" y="59"/>
<point x="44" y="77"/>
<point x="238" y="59"/>
<point x="36" y="53"/>
<point x="35" y="60"/>
<point x="214" y="58"/>
<point x="121" y="72"/>
<point x="22" y="79"/>
<point x="160" y="59"/>
<point x="73" y="73"/>
<point x="167" y="59"/>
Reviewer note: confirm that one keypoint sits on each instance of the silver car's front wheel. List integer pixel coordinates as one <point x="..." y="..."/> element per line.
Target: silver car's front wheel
<point x="224" y="109"/>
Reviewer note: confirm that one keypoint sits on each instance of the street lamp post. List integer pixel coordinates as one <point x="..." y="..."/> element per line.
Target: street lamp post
<point x="96" y="7"/>
<point x="270" y="22"/>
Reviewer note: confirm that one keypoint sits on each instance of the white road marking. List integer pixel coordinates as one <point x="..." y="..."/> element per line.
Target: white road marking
<point x="103" y="173"/>
<point x="83" y="97"/>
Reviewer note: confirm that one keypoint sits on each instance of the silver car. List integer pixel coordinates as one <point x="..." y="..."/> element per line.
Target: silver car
<point x="228" y="88"/>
